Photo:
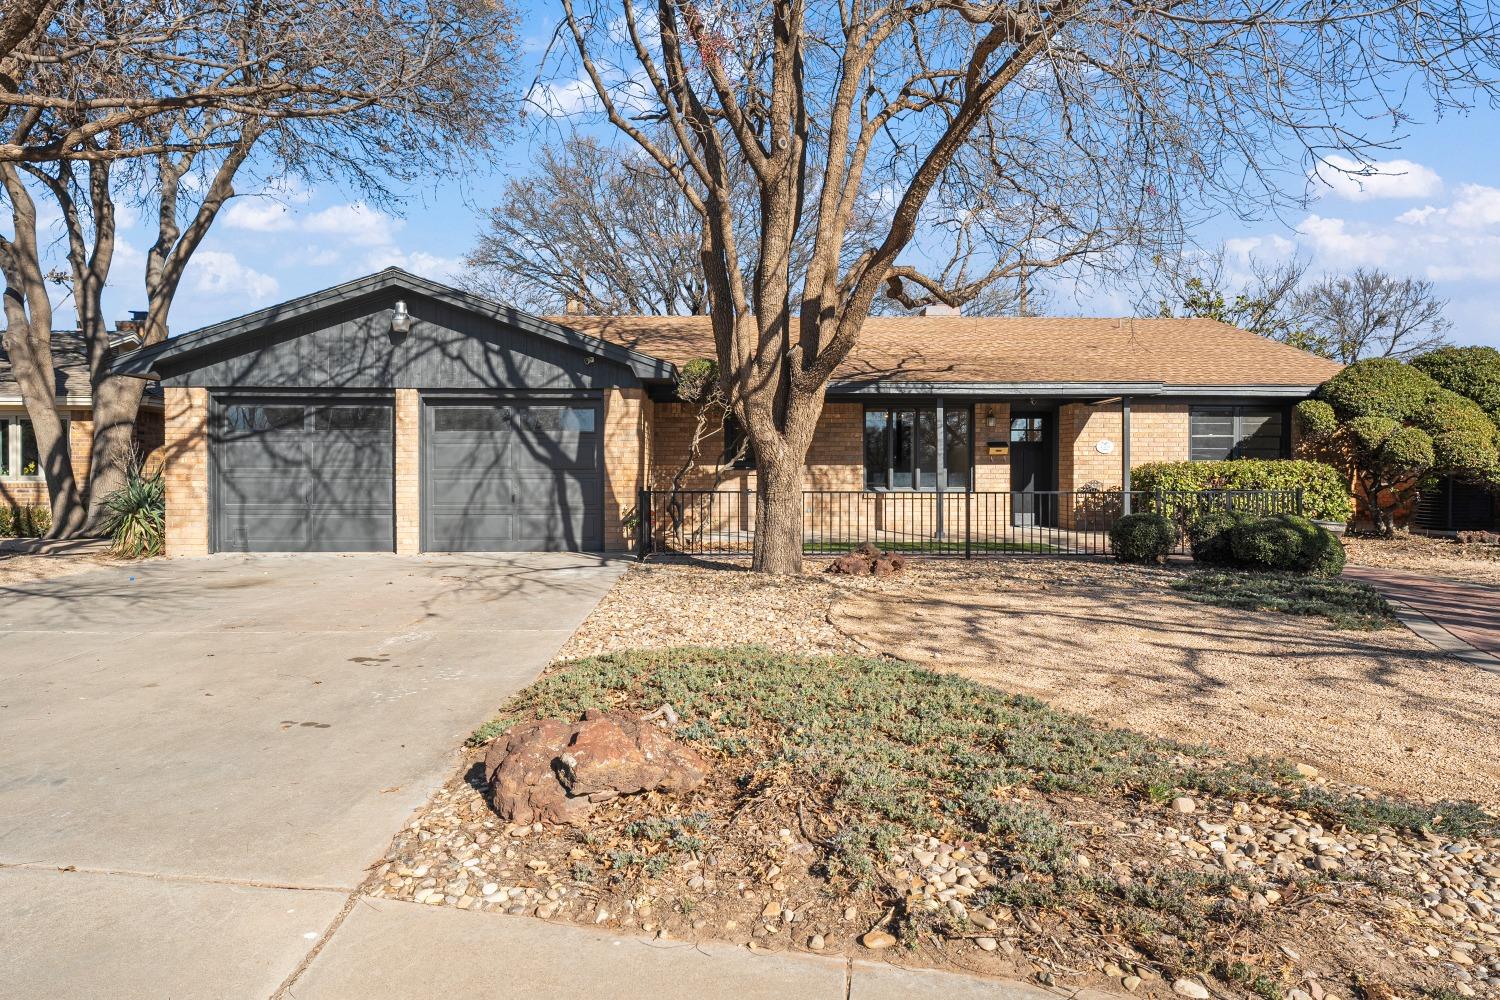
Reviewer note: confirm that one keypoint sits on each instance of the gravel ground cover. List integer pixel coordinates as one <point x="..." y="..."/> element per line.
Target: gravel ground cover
<point x="866" y="807"/>
<point x="1424" y="554"/>
<point x="18" y="569"/>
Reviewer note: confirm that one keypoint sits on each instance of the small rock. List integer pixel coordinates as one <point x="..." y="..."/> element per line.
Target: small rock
<point x="878" y="940"/>
<point x="816" y="942"/>
<point x="850" y="914"/>
<point x="1184" y="804"/>
<point x="1305" y="770"/>
<point x="1190" y="988"/>
<point x="987" y="943"/>
<point x="1131" y="983"/>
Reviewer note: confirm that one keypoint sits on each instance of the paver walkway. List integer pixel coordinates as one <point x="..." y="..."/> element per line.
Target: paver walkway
<point x="1467" y="612"/>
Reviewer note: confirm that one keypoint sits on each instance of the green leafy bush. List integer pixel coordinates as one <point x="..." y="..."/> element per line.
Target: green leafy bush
<point x="1345" y="603"/>
<point x="1142" y="538"/>
<point x="1378" y="387"/>
<point x="1287" y="543"/>
<point x="1325" y="493"/>
<point x="1209" y="536"/>
<point x="1469" y="371"/>
<point x="25" y="522"/>
<point x="137" y="519"/>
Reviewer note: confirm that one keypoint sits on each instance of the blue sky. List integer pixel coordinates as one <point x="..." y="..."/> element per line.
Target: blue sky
<point x="1434" y="212"/>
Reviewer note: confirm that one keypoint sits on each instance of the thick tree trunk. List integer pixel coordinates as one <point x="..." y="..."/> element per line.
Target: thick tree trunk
<point x="778" y="513"/>
<point x="117" y="402"/>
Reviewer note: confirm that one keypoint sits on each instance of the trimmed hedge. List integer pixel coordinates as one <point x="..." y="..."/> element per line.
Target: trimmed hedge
<point x="25" y="522"/>
<point x="1209" y="536"/>
<point x="1325" y="494"/>
<point x="1142" y="538"/>
<point x="1287" y="543"/>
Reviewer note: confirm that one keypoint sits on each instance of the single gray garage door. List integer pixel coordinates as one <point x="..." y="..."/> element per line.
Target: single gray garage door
<point x="514" y="476"/>
<point x="302" y="475"/>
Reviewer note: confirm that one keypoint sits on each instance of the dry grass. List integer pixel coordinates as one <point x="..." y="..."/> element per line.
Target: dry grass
<point x="18" y="569"/>
<point x="1431" y="556"/>
<point x="1113" y="643"/>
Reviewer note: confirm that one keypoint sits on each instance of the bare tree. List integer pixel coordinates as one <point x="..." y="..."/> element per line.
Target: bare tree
<point x="611" y="234"/>
<point x="1143" y="112"/>
<point x="434" y="81"/>
<point x="1269" y="302"/>
<point x="1372" y="314"/>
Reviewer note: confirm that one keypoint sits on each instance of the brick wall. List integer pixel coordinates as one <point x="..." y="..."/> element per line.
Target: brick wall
<point x="628" y="417"/>
<point x="1158" y="433"/>
<point x="991" y="472"/>
<point x="185" y="461"/>
<point x="408" y="472"/>
<point x="835" y="459"/>
<point x="32" y="493"/>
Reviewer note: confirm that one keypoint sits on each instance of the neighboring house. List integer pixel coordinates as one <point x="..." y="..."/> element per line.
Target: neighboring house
<point x="394" y="413"/>
<point x="21" y="481"/>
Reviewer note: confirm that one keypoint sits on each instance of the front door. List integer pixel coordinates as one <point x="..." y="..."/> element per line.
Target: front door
<point x="1031" y="472"/>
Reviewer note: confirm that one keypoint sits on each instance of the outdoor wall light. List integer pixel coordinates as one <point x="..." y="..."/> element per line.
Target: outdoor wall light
<point x="401" y="320"/>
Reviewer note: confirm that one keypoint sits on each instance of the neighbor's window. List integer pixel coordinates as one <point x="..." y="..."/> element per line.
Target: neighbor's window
<point x="1220" y="432"/>
<point x="19" y="456"/>
<point x="901" y="448"/>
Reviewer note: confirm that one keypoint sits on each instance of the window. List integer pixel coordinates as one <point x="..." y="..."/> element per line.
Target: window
<point x="19" y="456"/>
<point x="901" y="448"/>
<point x="734" y="442"/>
<point x="1026" y="430"/>
<point x="1220" y="432"/>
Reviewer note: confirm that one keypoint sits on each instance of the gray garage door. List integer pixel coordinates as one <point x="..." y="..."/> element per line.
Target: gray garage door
<point x="304" y="476"/>
<point x="513" y="476"/>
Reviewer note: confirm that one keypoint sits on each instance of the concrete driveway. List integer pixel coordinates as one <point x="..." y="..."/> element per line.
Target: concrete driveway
<point x="199" y="758"/>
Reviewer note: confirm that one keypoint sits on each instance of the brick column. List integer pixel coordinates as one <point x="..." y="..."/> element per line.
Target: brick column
<point x="627" y="414"/>
<point x="186" y="471"/>
<point x="408" y="472"/>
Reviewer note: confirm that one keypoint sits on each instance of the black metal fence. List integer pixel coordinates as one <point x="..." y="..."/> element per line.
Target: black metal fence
<point x="967" y="525"/>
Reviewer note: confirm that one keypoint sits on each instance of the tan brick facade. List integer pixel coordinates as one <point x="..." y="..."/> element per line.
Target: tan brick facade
<point x="627" y="463"/>
<point x="185" y="461"/>
<point x="408" y="472"/>
<point x="33" y="492"/>
<point x="1158" y="433"/>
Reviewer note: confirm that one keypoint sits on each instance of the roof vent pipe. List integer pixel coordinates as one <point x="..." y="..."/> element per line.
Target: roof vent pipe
<point x="941" y="309"/>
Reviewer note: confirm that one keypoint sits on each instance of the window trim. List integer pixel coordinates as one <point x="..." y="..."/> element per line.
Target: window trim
<point x="890" y="409"/>
<point x="1237" y="413"/>
<point x="13" y="445"/>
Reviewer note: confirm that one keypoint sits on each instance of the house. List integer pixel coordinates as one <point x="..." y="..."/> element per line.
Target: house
<point x="21" y="481"/>
<point x="395" y="413"/>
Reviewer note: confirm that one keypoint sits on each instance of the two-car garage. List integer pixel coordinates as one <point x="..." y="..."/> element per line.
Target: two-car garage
<point x="396" y="414"/>
<point x="317" y="474"/>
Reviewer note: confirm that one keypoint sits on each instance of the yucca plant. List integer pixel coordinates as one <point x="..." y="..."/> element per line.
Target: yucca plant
<point x="138" y="514"/>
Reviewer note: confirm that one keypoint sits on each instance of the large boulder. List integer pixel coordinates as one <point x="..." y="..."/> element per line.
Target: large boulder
<point x="551" y="771"/>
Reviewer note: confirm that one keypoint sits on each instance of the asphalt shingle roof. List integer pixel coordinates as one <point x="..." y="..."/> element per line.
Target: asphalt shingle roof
<point x="957" y="349"/>
<point x="70" y="360"/>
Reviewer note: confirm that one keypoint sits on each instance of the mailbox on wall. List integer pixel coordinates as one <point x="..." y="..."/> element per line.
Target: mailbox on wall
<point x="997" y="448"/>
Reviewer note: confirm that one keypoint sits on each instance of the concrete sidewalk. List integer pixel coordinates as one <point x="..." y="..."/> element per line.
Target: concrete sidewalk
<point x="405" y="951"/>
<point x="1458" y="617"/>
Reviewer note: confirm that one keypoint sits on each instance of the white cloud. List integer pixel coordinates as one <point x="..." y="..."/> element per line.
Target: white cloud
<point x="1474" y="206"/>
<point x="218" y="272"/>
<point x="257" y="216"/>
<point x="355" y="223"/>
<point x="1354" y="181"/>
<point x="419" y="262"/>
<point x="1333" y="240"/>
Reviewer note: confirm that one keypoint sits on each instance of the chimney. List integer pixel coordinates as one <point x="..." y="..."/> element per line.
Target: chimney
<point x="128" y="331"/>
<point x="574" y="306"/>
<point x="941" y="309"/>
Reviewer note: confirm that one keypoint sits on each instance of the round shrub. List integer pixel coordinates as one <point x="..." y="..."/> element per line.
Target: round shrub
<point x="1325" y="491"/>
<point x="1209" y="536"/>
<point x="1316" y="418"/>
<point x="1287" y="543"/>
<point x="1469" y="371"/>
<point x="1141" y="538"/>
<point x="1378" y="387"/>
